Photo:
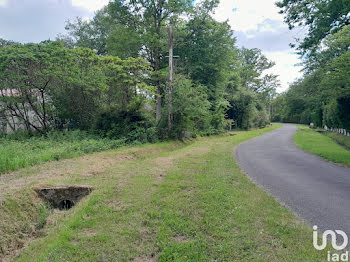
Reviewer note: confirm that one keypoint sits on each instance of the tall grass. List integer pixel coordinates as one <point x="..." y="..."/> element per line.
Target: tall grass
<point x="19" y="152"/>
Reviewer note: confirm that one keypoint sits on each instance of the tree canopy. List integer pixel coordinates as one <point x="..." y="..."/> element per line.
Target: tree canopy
<point x="109" y="75"/>
<point x="320" y="17"/>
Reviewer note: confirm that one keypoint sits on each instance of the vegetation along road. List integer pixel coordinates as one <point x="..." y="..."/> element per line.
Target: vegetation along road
<point x="314" y="188"/>
<point x="168" y="201"/>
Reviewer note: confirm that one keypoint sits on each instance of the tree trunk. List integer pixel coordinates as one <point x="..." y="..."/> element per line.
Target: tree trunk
<point x="158" y="103"/>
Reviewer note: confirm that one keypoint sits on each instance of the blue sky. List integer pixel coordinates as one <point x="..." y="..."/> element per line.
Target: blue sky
<point x="256" y="24"/>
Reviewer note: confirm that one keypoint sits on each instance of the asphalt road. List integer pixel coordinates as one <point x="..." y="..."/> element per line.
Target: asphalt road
<point x="316" y="190"/>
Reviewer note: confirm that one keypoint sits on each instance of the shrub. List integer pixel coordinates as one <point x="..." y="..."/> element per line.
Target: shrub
<point x="132" y="125"/>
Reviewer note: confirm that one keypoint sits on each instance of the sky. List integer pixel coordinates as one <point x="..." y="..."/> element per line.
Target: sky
<point x="256" y="23"/>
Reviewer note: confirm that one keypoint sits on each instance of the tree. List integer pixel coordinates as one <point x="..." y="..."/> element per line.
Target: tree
<point x="25" y="78"/>
<point x="132" y="27"/>
<point x="209" y="56"/>
<point x="126" y="80"/>
<point x="253" y="64"/>
<point x="322" y="95"/>
<point x="250" y="100"/>
<point x="334" y="46"/>
<point x="320" y="17"/>
<point x="5" y="43"/>
<point x="49" y="86"/>
<point x="79" y="86"/>
<point x="191" y="107"/>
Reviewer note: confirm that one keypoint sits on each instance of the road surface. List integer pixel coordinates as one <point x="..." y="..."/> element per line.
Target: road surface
<point x="316" y="190"/>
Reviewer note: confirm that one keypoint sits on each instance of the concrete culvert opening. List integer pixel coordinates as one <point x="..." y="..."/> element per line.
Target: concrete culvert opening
<point x="63" y="197"/>
<point x="65" y="204"/>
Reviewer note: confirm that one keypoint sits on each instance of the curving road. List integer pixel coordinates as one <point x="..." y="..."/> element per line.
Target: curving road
<point x="317" y="190"/>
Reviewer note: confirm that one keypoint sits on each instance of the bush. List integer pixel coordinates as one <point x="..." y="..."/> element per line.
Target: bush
<point x="131" y="125"/>
<point x="191" y="109"/>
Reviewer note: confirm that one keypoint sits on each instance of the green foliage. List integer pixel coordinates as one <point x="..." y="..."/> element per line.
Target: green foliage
<point x="337" y="44"/>
<point x="253" y="64"/>
<point x="126" y="81"/>
<point x="67" y="87"/>
<point x="26" y="74"/>
<point x="109" y="75"/>
<point x="79" y="87"/>
<point x="208" y="51"/>
<point x="322" y="96"/>
<point x="124" y="42"/>
<point x="191" y="107"/>
<point x="4" y="43"/>
<point x="90" y="34"/>
<point x="207" y="55"/>
<point x="133" y="125"/>
<point x="243" y="109"/>
<point x="321" y="18"/>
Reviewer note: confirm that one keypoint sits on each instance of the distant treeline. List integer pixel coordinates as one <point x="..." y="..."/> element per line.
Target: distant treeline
<point x="109" y="75"/>
<point x="322" y="95"/>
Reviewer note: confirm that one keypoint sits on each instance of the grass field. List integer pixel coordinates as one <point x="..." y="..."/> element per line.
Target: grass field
<point x="15" y="154"/>
<point x="321" y="145"/>
<point x="167" y="202"/>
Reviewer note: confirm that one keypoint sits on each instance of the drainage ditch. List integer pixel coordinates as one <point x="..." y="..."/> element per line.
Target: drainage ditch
<point x="63" y="197"/>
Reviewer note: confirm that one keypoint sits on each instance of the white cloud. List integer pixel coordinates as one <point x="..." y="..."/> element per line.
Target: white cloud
<point x="91" y="5"/>
<point x="285" y="67"/>
<point x="245" y="15"/>
<point x="36" y="20"/>
<point x="3" y="2"/>
<point x="258" y="24"/>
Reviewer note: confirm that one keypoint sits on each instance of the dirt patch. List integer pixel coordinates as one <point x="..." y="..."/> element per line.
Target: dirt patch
<point x="116" y="205"/>
<point x="121" y="184"/>
<point x="180" y="239"/>
<point x="164" y="162"/>
<point x="146" y="259"/>
<point x="125" y="157"/>
<point x="142" y="152"/>
<point x="54" y="216"/>
<point x="93" y="173"/>
<point x="201" y="150"/>
<point x="159" y="179"/>
<point x="159" y="173"/>
<point x="90" y="232"/>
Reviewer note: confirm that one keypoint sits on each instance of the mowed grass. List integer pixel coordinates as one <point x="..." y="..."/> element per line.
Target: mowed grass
<point x="189" y="203"/>
<point x="15" y="154"/>
<point x="321" y="145"/>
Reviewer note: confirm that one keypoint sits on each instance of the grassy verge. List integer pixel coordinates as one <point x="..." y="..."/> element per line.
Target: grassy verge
<point x="22" y="215"/>
<point x="179" y="204"/>
<point x="341" y="139"/>
<point x="15" y="154"/>
<point x="321" y="145"/>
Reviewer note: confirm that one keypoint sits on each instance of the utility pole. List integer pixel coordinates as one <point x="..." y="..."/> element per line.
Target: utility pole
<point x="171" y="79"/>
